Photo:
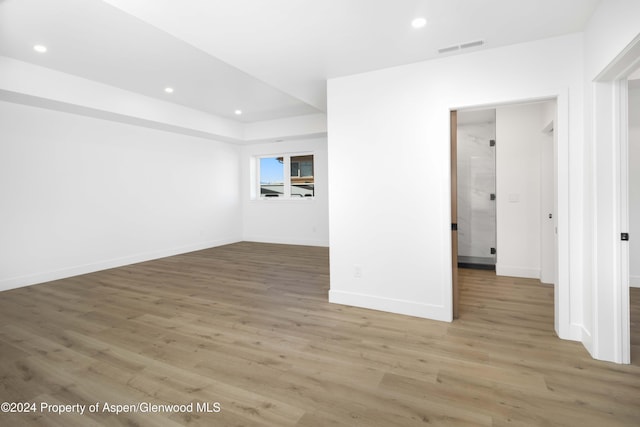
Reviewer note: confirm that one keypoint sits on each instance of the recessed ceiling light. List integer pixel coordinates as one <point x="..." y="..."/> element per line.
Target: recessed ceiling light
<point x="238" y="112"/>
<point x="168" y="89"/>
<point x="40" y="48"/>
<point x="418" y="23"/>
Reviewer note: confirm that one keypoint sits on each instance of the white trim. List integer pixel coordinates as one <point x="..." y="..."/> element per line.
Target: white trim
<point x="622" y="89"/>
<point x="623" y="65"/>
<point x="634" y="281"/>
<point x="585" y="336"/>
<point x="611" y="340"/>
<point x="285" y="241"/>
<point x="47" y="276"/>
<point x="605" y="293"/>
<point x="563" y="275"/>
<point x="408" y="308"/>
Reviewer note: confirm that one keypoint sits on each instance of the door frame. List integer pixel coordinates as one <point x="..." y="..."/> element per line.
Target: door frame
<point x="612" y="332"/>
<point x="453" y="123"/>
<point x="562" y="304"/>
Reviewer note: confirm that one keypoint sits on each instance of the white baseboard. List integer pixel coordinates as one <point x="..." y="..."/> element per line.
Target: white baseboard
<point x="47" y="276"/>
<point x="285" y="241"/>
<point x="577" y="332"/>
<point x="634" y="281"/>
<point x="587" y="341"/>
<point x="408" y="308"/>
<point x="528" y="273"/>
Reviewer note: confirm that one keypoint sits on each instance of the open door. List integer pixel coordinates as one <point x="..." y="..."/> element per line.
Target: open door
<point x="454" y="211"/>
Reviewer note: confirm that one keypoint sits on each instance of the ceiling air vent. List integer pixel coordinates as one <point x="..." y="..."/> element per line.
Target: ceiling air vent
<point x="448" y="49"/>
<point x="461" y="46"/>
<point x="471" y="44"/>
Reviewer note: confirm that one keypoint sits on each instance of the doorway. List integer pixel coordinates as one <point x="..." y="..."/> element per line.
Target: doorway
<point x="506" y="179"/>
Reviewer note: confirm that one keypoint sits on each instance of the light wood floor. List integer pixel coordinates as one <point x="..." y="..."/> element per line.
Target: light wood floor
<point x="248" y="325"/>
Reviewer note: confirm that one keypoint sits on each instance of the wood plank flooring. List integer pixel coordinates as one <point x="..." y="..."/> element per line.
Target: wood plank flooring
<point x="248" y="325"/>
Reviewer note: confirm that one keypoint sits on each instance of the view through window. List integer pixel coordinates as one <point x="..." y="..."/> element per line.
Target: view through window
<point x="271" y="177"/>
<point x="302" y="184"/>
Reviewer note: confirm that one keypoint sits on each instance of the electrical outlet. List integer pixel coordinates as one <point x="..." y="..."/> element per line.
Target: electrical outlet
<point x="357" y="271"/>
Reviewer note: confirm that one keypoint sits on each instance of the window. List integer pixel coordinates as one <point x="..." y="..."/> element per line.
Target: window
<point x="286" y="176"/>
<point x="271" y="177"/>
<point x="302" y="184"/>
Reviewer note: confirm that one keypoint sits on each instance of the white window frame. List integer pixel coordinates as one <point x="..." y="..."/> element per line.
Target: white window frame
<point x="286" y="159"/>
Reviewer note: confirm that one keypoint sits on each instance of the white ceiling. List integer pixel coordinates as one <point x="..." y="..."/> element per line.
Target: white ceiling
<point x="270" y="58"/>
<point x="94" y="40"/>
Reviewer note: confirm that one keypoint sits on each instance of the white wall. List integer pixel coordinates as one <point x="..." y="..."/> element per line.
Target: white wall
<point x="390" y="230"/>
<point x="80" y="194"/>
<point x="518" y="163"/>
<point x="299" y="222"/>
<point x="613" y="26"/>
<point x="634" y="187"/>
<point x="134" y="177"/>
<point x="312" y="126"/>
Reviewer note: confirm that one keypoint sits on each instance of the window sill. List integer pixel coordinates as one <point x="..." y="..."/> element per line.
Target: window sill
<point x="283" y="200"/>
